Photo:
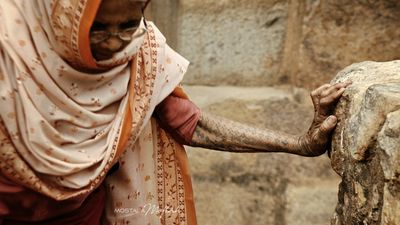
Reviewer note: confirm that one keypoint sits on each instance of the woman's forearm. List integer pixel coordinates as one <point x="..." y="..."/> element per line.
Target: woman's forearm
<point x="214" y="132"/>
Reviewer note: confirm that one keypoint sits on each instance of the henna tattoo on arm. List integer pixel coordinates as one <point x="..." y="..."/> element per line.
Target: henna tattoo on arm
<point x="218" y="133"/>
<point x="215" y="132"/>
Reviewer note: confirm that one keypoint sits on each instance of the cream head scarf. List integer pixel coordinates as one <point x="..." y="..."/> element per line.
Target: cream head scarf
<point x="66" y="118"/>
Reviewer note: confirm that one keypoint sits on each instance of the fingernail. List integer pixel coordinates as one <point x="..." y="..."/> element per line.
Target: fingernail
<point x="332" y="119"/>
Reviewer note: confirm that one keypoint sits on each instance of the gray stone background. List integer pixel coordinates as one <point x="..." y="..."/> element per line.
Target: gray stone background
<point x="255" y="62"/>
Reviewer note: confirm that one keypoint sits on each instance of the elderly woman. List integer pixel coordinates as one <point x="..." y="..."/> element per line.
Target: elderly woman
<point x="92" y="118"/>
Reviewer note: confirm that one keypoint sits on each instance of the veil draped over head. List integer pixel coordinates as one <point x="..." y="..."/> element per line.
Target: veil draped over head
<point x="66" y="119"/>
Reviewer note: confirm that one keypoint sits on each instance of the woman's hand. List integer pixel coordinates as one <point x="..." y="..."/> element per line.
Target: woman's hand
<point x="324" y="98"/>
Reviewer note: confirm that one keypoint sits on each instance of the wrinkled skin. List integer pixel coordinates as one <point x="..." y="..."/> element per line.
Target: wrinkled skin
<point x="112" y="16"/>
<point x="324" y="99"/>
<point x="222" y="134"/>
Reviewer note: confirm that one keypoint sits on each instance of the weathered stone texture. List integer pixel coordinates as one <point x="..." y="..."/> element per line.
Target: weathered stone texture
<point x="337" y="33"/>
<point x="259" y="189"/>
<point x="366" y="143"/>
<point x="269" y="42"/>
<point x="232" y="42"/>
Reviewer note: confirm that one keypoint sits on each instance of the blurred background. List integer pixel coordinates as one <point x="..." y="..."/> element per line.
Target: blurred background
<point x="256" y="62"/>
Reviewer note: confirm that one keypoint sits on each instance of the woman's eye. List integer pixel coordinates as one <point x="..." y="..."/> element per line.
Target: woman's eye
<point x="98" y="26"/>
<point x="129" y="24"/>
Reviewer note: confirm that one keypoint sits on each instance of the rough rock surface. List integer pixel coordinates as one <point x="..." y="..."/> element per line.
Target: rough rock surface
<point x="259" y="189"/>
<point x="366" y="145"/>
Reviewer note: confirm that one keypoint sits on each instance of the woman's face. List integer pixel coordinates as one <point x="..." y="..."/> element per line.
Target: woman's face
<point x="114" y="19"/>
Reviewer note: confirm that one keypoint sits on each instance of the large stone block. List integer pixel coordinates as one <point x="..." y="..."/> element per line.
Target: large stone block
<point x="233" y="42"/>
<point x="366" y="143"/>
<point x="258" y="189"/>
<point x="337" y="33"/>
<point x="310" y="201"/>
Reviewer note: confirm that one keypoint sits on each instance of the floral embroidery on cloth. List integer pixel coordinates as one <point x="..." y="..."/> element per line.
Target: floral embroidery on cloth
<point x="68" y="118"/>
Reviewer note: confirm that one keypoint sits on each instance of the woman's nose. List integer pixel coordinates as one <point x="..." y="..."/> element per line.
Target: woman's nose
<point x="113" y="44"/>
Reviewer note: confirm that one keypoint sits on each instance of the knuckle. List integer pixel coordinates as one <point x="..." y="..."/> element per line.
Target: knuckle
<point x="337" y="95"/>
<point x="313" y="93"/>
<point x="338" y="85"/>
<point x="331" y="99"/>
<point x="324" y="102"/>
<point x="324" y="129"/>
<point x="327" y="100"/>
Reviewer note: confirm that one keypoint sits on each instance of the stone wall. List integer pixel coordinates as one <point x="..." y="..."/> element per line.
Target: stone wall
<point x="365" y="148"/>
<point x="271" y="42"/>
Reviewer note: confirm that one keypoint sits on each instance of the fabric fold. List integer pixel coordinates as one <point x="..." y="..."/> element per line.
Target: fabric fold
<point x="67" y="118"/>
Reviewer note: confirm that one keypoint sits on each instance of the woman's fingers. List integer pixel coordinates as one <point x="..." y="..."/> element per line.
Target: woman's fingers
<point x="317" y="92"/>
<point x="334" y="88"/>
<point x="316" y="95"/>
<point x="330" y="96"/>
<point x="324" y="131"/>
<point x="327" y="126"/>
<point x="319" y="136"/>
